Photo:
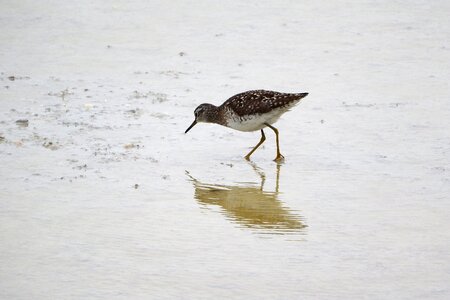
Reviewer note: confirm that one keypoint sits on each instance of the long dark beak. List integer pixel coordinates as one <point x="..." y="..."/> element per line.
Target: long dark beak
<point x="192" y="125"/>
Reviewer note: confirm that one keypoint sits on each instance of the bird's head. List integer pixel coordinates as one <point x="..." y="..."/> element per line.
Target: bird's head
<point x="202" y="114"/>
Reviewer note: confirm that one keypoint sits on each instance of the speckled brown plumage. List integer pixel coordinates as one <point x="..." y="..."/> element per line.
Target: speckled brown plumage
<point x="260" y="101"/>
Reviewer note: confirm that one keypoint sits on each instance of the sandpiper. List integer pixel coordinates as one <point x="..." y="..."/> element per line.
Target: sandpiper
<point x="249" y="111"/>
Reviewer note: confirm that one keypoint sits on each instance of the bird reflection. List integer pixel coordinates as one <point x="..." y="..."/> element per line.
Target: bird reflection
<point x="250" y="205"/>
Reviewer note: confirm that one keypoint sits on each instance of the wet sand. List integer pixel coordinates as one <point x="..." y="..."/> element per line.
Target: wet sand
<point x="102" y="195"/>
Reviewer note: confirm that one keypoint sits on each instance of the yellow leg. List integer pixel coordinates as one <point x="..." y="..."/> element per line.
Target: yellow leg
<point x="279" y="157"/>
<point x="263" y="138"/>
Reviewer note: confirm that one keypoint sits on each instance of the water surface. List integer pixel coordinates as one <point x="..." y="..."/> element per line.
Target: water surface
<point x="103" y="196"/>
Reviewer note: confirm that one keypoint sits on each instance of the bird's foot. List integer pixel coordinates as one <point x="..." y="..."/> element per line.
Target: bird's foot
<point x="279" y="158"/>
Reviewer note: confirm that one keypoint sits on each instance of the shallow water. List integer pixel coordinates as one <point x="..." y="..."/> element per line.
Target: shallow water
<point x="103" y="196"/>
<point x="250" y="206"/>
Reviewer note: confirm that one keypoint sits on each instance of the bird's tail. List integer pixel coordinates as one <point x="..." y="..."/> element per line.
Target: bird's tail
<point x="302" y="95"/>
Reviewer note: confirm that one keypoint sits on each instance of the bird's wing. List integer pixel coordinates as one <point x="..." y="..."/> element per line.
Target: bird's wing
<point x="260" y="101"/>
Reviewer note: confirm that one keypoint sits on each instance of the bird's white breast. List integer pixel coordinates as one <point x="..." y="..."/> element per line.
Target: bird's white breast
<point x="255" y="121"/>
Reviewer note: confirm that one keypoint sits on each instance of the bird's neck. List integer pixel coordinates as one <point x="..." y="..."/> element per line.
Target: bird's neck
<point x="215" y="115"/>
